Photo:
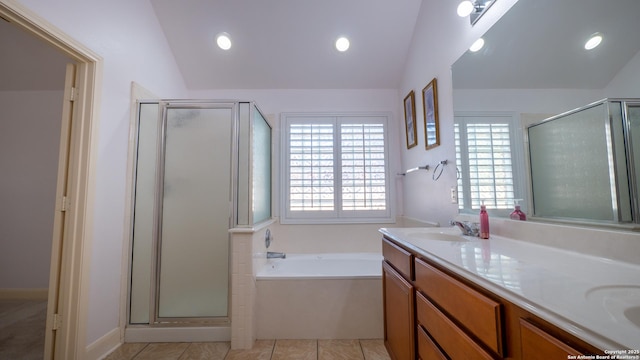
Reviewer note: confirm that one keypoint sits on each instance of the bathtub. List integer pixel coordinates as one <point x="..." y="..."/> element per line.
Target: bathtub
<point x="320" y="296"/>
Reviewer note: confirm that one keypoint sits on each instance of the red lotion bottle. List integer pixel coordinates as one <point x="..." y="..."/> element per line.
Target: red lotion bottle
<point x="484" y="222"/>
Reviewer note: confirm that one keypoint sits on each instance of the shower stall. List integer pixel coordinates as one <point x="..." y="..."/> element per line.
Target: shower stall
<point x="584" y="164"/>
<point x="201" y="169"/>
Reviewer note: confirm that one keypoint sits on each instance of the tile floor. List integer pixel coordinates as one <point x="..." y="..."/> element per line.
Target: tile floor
<point x="262" y="350"/>
<point x="22" y="329"/>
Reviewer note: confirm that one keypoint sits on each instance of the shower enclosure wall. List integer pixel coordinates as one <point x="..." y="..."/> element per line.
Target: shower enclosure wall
<point x="584" y="165"/>
<point x="202" y="168"/>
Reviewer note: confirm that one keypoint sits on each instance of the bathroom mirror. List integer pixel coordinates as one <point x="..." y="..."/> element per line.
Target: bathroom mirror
<point x="534" y="66"/>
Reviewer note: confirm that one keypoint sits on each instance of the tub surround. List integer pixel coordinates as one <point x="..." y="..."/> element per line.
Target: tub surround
<point x="326" y="296"/>
<point x="582" y="294"/>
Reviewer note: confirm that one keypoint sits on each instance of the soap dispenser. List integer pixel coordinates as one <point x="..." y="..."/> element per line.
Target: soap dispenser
<point x="484" y="222"/>
<point x="517" y="214"/>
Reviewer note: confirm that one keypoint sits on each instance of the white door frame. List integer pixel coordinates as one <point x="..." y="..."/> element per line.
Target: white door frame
<point x="75" y="250"/>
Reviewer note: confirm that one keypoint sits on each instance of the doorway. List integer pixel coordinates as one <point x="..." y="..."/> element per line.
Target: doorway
<point x="30" y="135"/>
<point x="66" y="294"/>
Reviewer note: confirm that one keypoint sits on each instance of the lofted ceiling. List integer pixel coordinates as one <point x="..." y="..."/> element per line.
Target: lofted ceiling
<point x="289" y="44"/>
<point x="539" y="44"/>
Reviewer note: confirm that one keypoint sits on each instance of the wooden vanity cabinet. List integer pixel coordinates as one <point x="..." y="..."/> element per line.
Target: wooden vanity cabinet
<point x="432" y="313"/>
<point x="399" y="308"/>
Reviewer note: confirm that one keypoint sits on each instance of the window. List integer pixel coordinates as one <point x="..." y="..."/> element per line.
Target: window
<point x="335" y="168"/>
<point x="487" y="165"/>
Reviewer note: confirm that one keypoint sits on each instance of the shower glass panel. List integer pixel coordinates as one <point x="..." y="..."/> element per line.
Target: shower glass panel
<point x="633" y="118"/>
<point x="143" y="211"/>
<point x="194" y="239"/>
<point x="261" y="167"/>
<point x="254" y="166"/>
<point x="577" y="144"/>
<point x="578" y="165"/>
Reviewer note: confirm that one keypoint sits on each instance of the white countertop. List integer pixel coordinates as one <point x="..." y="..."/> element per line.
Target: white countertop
<point x="584" y="295"/>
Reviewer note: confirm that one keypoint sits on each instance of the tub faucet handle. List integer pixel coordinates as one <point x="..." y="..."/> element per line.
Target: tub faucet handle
<point x="276" y="255"/>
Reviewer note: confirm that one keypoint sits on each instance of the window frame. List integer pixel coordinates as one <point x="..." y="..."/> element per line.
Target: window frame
<point x="337" y="215"/>
<point x="517" y="159"/>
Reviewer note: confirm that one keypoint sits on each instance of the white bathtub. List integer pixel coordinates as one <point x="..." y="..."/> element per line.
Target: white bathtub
<point x="320" y="296"/>
<point x="323" y="266"/>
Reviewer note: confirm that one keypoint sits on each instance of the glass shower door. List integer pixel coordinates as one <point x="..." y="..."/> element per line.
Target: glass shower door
<point x="194" y="218"/>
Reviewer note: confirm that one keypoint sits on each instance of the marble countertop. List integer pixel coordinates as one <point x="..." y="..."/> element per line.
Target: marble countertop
<point x="593" y="298"/>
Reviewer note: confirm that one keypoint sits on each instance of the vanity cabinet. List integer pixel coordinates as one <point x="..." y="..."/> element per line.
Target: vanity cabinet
<point x="432" y="313"/>
<point x="397" y="270"/>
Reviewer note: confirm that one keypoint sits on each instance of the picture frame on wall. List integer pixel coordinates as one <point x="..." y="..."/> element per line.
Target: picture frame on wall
<point x="430" y="112"/>
<point x="410" y="120"/>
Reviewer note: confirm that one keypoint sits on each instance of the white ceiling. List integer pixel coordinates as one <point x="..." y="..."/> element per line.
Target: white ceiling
<point x="289" y="43"/>
<point x="539" y="44"/>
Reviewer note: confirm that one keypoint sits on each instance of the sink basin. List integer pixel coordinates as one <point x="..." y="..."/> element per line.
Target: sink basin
<point x="633" y="315"/>
<point x="439" y="236"/>
<point x="621" y="302"/>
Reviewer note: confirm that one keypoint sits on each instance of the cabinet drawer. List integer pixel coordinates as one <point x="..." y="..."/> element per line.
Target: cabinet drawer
<point x="401" y="259"/>
<point x="455" y="342"/>
<point x="480" y="315"/>
<point x="538" y="344"/>
<point x="427" y="349"/>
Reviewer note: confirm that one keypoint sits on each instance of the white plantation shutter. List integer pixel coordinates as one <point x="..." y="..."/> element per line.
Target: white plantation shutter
<point x="336" y="168"/>
<point x="363" y="167"/>
<point x="311" y="178"/>
<point x="486" y="167"/>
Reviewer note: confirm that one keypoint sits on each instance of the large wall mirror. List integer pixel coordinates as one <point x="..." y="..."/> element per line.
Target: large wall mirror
<point x="534" y="66"/>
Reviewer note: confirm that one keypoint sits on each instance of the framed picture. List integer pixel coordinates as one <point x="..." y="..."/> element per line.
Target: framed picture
<point x="430" y="111"/>
<point x="410" y="120"/>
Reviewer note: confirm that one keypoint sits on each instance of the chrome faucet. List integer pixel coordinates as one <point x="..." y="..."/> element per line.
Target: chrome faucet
<point x="468" y="229"/>
<point x="276" y="255"/>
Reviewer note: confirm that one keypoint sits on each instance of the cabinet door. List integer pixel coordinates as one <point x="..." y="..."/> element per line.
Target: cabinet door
<point x="399" y="325"/>
<point x="538" y="344"/>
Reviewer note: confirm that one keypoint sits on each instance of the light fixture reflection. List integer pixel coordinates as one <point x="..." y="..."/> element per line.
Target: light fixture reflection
<point x="465" y="8"/>
<point x="593" y="41"/>
<point x="477" y="45"/>
<point x="224" y="41"/>
<point x="342" y="44"/>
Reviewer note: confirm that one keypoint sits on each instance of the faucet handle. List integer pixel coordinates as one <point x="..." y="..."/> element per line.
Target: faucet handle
<point x="474" y="228"/>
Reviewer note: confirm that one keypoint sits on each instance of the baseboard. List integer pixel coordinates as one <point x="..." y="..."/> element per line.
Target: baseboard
<point x="177" y="334"/>
<point x="100" y="348"/>
<point x="24" y="294"/>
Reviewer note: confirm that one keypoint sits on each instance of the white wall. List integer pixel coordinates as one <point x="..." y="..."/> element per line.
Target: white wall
<point x="627" y="82"/>
<point x="273" y="102"/>
<point x="535" y="101"/>
<point x="439" y="39"/>
<point x="126" y="34"/>
<point x="29" y="142"/>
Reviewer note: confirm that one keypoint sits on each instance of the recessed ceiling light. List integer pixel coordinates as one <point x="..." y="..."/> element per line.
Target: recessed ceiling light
<point x="477" y="45"/>
<point x="342" y="44"/>
<point x="593" y="41"/>
<point x="224" y="41"/>
<point x="465" y="8"/>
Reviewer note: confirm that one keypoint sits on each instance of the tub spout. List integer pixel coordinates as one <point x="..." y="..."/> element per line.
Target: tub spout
<point x="276" y="255"/>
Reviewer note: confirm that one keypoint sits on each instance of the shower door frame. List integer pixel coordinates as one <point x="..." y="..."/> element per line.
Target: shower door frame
<point x="154" y="319"/>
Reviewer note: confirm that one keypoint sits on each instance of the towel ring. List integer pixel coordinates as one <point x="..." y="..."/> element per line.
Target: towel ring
<point x="436" y="174"/>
